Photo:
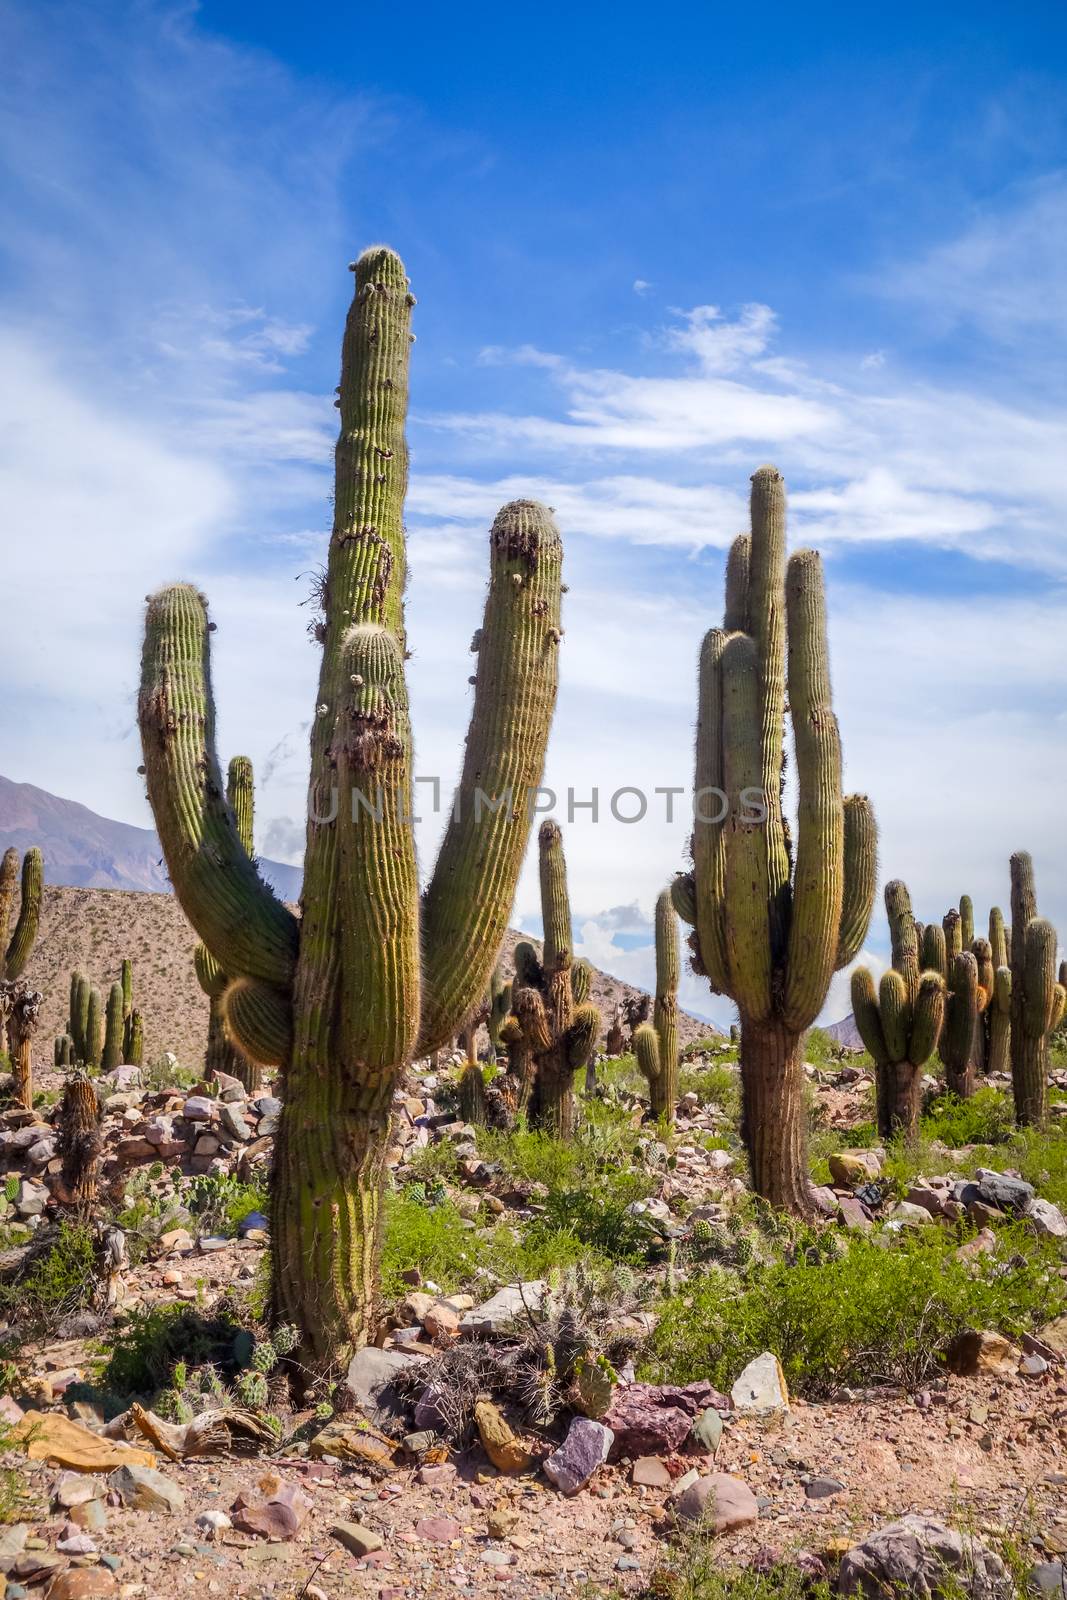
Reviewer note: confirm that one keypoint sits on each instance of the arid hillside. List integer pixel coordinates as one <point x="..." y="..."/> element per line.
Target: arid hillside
<point x="93" y="929"/>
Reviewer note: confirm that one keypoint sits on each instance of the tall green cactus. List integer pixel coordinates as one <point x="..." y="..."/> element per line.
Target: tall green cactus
<point x="113" y="1029"/>
<point x="901" y="1023"/>
<point x="656" y="1042"/>
<point x="135" y="1039"/>
<point x="367" y="977"/>
<point x="16" y="950"/>
<point x="1037" y="999"/>
<point x="80" y="989"/>
<point x="94" y="1029"/>
<point x="221" y="1054"/>
<point x="552" y="1030"/>
<point x="773" y="924"/>
<point x="967" y="1000"/>
<point x="997" y="1017"/>
<point x="499" y="1007"/>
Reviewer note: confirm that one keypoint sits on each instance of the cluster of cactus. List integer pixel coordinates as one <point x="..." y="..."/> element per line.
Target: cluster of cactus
<point x="372" y="973"/>
<point x="552" y="1029"/>
<point x="730" y="1242"/>
<point x="901" y="1022"/>
<point x="656" y="1042"/>
<point x="773" y="920"/>
<point x="1038" y="996"/>
<point x="99" y="1033"/>
<point x="222" y="1053"/>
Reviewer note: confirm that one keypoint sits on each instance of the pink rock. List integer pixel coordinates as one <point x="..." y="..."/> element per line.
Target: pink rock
<point x="650" y="1472"/>
<point x="651" y="1419"/>
<point x="438" y="1530"/>
<point x="439" y="1476"/>
<point x="718" y="1503"/>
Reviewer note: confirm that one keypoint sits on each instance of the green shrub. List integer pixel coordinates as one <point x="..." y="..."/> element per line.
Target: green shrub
<point x="598" y="1218"/>
<point x="59" y="1281"/>
<point x="690" y="1572"/>
<point x="219" y="1203"/>
<point x="988" y="1117"/>
<point x="884" y="1313"/>
<point x="147" y="1344"/>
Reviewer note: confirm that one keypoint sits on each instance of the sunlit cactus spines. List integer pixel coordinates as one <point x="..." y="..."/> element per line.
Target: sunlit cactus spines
<point x="371" y="973"/>
<point x="775" y="916"/>
<point x="1037" y="998"/>
<point x="550" y="1034"/>
<point x="901" y="1022"/>
<point x="656" y="1042"/>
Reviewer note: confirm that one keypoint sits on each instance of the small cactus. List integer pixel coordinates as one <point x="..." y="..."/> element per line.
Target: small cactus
<point x="656" y="1042"/>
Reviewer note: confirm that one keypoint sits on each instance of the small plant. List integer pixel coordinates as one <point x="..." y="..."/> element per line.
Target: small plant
<point x="219" y="1203"/>
<point x="59" y="1281"/>
<point x="986" y="1118"/>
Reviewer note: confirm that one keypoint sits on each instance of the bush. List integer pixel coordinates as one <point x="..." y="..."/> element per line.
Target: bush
<point x="988" y="1117"/>
<point x="690" y="1573"/>
<point x="58" y="1282"/>
<point x="884" y="1313"/>
<point x="147" y="1344"/>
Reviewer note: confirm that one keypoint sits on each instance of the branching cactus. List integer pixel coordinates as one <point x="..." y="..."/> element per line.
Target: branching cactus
<point x="656" y="1042"/>
<point x="221" y="1054"/>
<point x="773" y="924"/>
<point x="901" y="1023"/>
<point x="367" y="978"/>
<point x="552" y="1030"/>
<point x="1037" y="999"/>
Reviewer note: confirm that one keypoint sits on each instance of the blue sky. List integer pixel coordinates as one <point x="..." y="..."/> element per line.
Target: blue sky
<point x="652" y="248"/>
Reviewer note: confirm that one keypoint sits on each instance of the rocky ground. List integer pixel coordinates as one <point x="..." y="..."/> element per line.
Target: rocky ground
<point x="353" y="1491"/>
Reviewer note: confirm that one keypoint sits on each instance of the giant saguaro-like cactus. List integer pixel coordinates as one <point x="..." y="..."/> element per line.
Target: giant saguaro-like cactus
<point x="221" y="1054"/>
<point x="344" y="997"/>
<point x="773" y="923"/>
<point x="1037" y="1000"/>
<point x="552" y="1030"/>
<point x="656" y="1042"/>
<point x="901" y="1023"/>
<point x="15" y="952"/>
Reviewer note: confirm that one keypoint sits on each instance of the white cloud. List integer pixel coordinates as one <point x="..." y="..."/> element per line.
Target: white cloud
<point x="720" y="345"/>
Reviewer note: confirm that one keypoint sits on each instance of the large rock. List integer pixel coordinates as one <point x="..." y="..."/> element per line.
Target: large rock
<point x="761" y="1389"/>
<point x="509" y="1305"/>
<point x="652" y="1419"/>
<point x="1006" y="1194"/>
<point x="852" y="1167"/>
<point x="982" y="1351"/>
<point x="1047" y="1220"/>
<point x="921" y="1558"/>
<point x="717" y="1503"/>
<point x="145" y="1489"/>
<point x="370" y="1378"/>
<point x="583" y="1450"/>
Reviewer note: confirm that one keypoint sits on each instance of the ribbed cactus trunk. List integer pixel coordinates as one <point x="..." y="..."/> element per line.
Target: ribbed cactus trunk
<point x="94" y="1030"/>
<point x="772" y="927"/>
<point x="79" y="1144"/>
<point x="1037" y="999"/>
<point x="113" y="1029"/>
<point x="15" y="952"/>
<point x="20" y="1006"/>
<point x="220" y="1054"/>
<point x="345" y="997"/>
<point x="552" y="1030"/>
<point x="656" y="1043"/>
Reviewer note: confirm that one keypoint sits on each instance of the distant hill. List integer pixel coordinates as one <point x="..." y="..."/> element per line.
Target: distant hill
<point x="87" y="851"/>
<point x="846" y="1033"/>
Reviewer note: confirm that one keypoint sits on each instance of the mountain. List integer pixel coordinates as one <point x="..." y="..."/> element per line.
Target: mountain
<point x="845" y="1032"/>
<point x="87" y="851"/>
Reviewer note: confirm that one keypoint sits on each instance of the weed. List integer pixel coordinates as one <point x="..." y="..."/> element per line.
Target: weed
<point x="58" y="1282"/>
<point x="986" y="1118"/>
<point x="146" y="1345"/>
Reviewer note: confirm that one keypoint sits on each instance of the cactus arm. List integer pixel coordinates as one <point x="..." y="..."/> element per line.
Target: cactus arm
<point x="928" y="1018"/>
<point x="768" y="614"/>
<point x="997" y="939"/>
<point x="957" y="1040"/>
<point x="935" y="950"/>
<point x="378" y="893"/>
<point x="868" y="1017"/>
<point x="581" y="982"/>
<point x="748" y="884"/>
<point x="818" y="887"/>
<point x="241" y="798"/>
<point x="982" y="952"/>
<point x="861" y="877"/>
<point x="895" y="1009"/>
<point x="709" y="845"/>
<point x="952" y="925"/>
<point x="581" y="1036"/>
<point x="229" y="905"/>
<point x="736" y="618"/>
<point x="18" y="950"/>
<point x="646" y="1050"/>
<point x="209" y="974"/>
<point x="532" y="1017"/>
<point x="1023" y="905"/>
<point x="469" y="898"/>
<point x="684" y="895"/>
<point x="903" y="940"/>
<point x="1039" y="1000"/>
<point x="258" y="1021"/>
<point x="9" y="876"/>
<point x="555" y="898"/>
<point x="966" y="920"/>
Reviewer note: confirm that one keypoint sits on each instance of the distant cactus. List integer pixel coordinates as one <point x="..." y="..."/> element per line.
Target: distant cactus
<point x="901" y="1024"/>
<point x="113" y="1029"/>
<point x="472" y="1094"/>
<point x="94" y="1030"/>
<point x="372" y="974"/>
<point x="656" y="1042"/>
<point x="135" y="1039"/>
<point x="1037" y="999"/>
<point x="63" y="1050"/>
<point x="774" y="917"/>
<point x="616" y="1039"/>
<point x="552" y="1030"/>
<point x="80" y="990"/>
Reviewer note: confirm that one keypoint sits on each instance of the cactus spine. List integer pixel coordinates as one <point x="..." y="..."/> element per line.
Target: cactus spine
<point x="346" y="996"/>
<point x="1037" y="999"/>
<point x="772" y="926"/>
<point x="656" y="1042"/>
<point x="552" y="1030"/>
<point x="901" y="1023"/>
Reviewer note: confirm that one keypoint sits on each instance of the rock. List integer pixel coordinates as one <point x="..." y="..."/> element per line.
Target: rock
<point x="761" y="1389"/>
<point x="213" y="1523"/>
<point x="441" y="1321"/>
<point x="439" y="1476"/>
<point x="1008" y="1194"/>
<point x="83" y="1583"/>
<point x="1047" y="1220"/>
<point x="416" y="1443"/>
<point x="12" y="1544"/>
<point x="850" y="1167"/>
<point x="370" y="1380"/>
<point x="357" y="1539"/>
<point x="977" y="1351"/>
<point x="650" y="1472"/>
<point x="583" y="1450"/>
<point x="501" y="1444"/>
<point x="76" y="1544"/>
<point x="1033" y="1366"/>
<point x="500" y="1522"/>
<point x="1047" y="1577"/>
<point x="717" y="1503"/>
<point x="823" y="1488"/>
<point x="265" y="1105"/>
<point x="438" y="1530"/>
<point x="854" y="1214"/>
<point x="913" y="1215"/>
<point x="145" y="1489"/>
<point x="277" y="1510"/>
<point x="914" y="1556"/>
<point x="31" y="1198"/>
<point x="1051" y="1342"/>
<point x="508" y="1306"/>
<point x="74" y="1489"/>
<point x="198" y="1108"/>
<point x="254" y="1222"/>
<point x="355" y="1440"/>
<point x="707" y="1431"/>
<point x="652" y="1419"/>
<point x="234" y="1123"/>
<point x="983" y="1244"/>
